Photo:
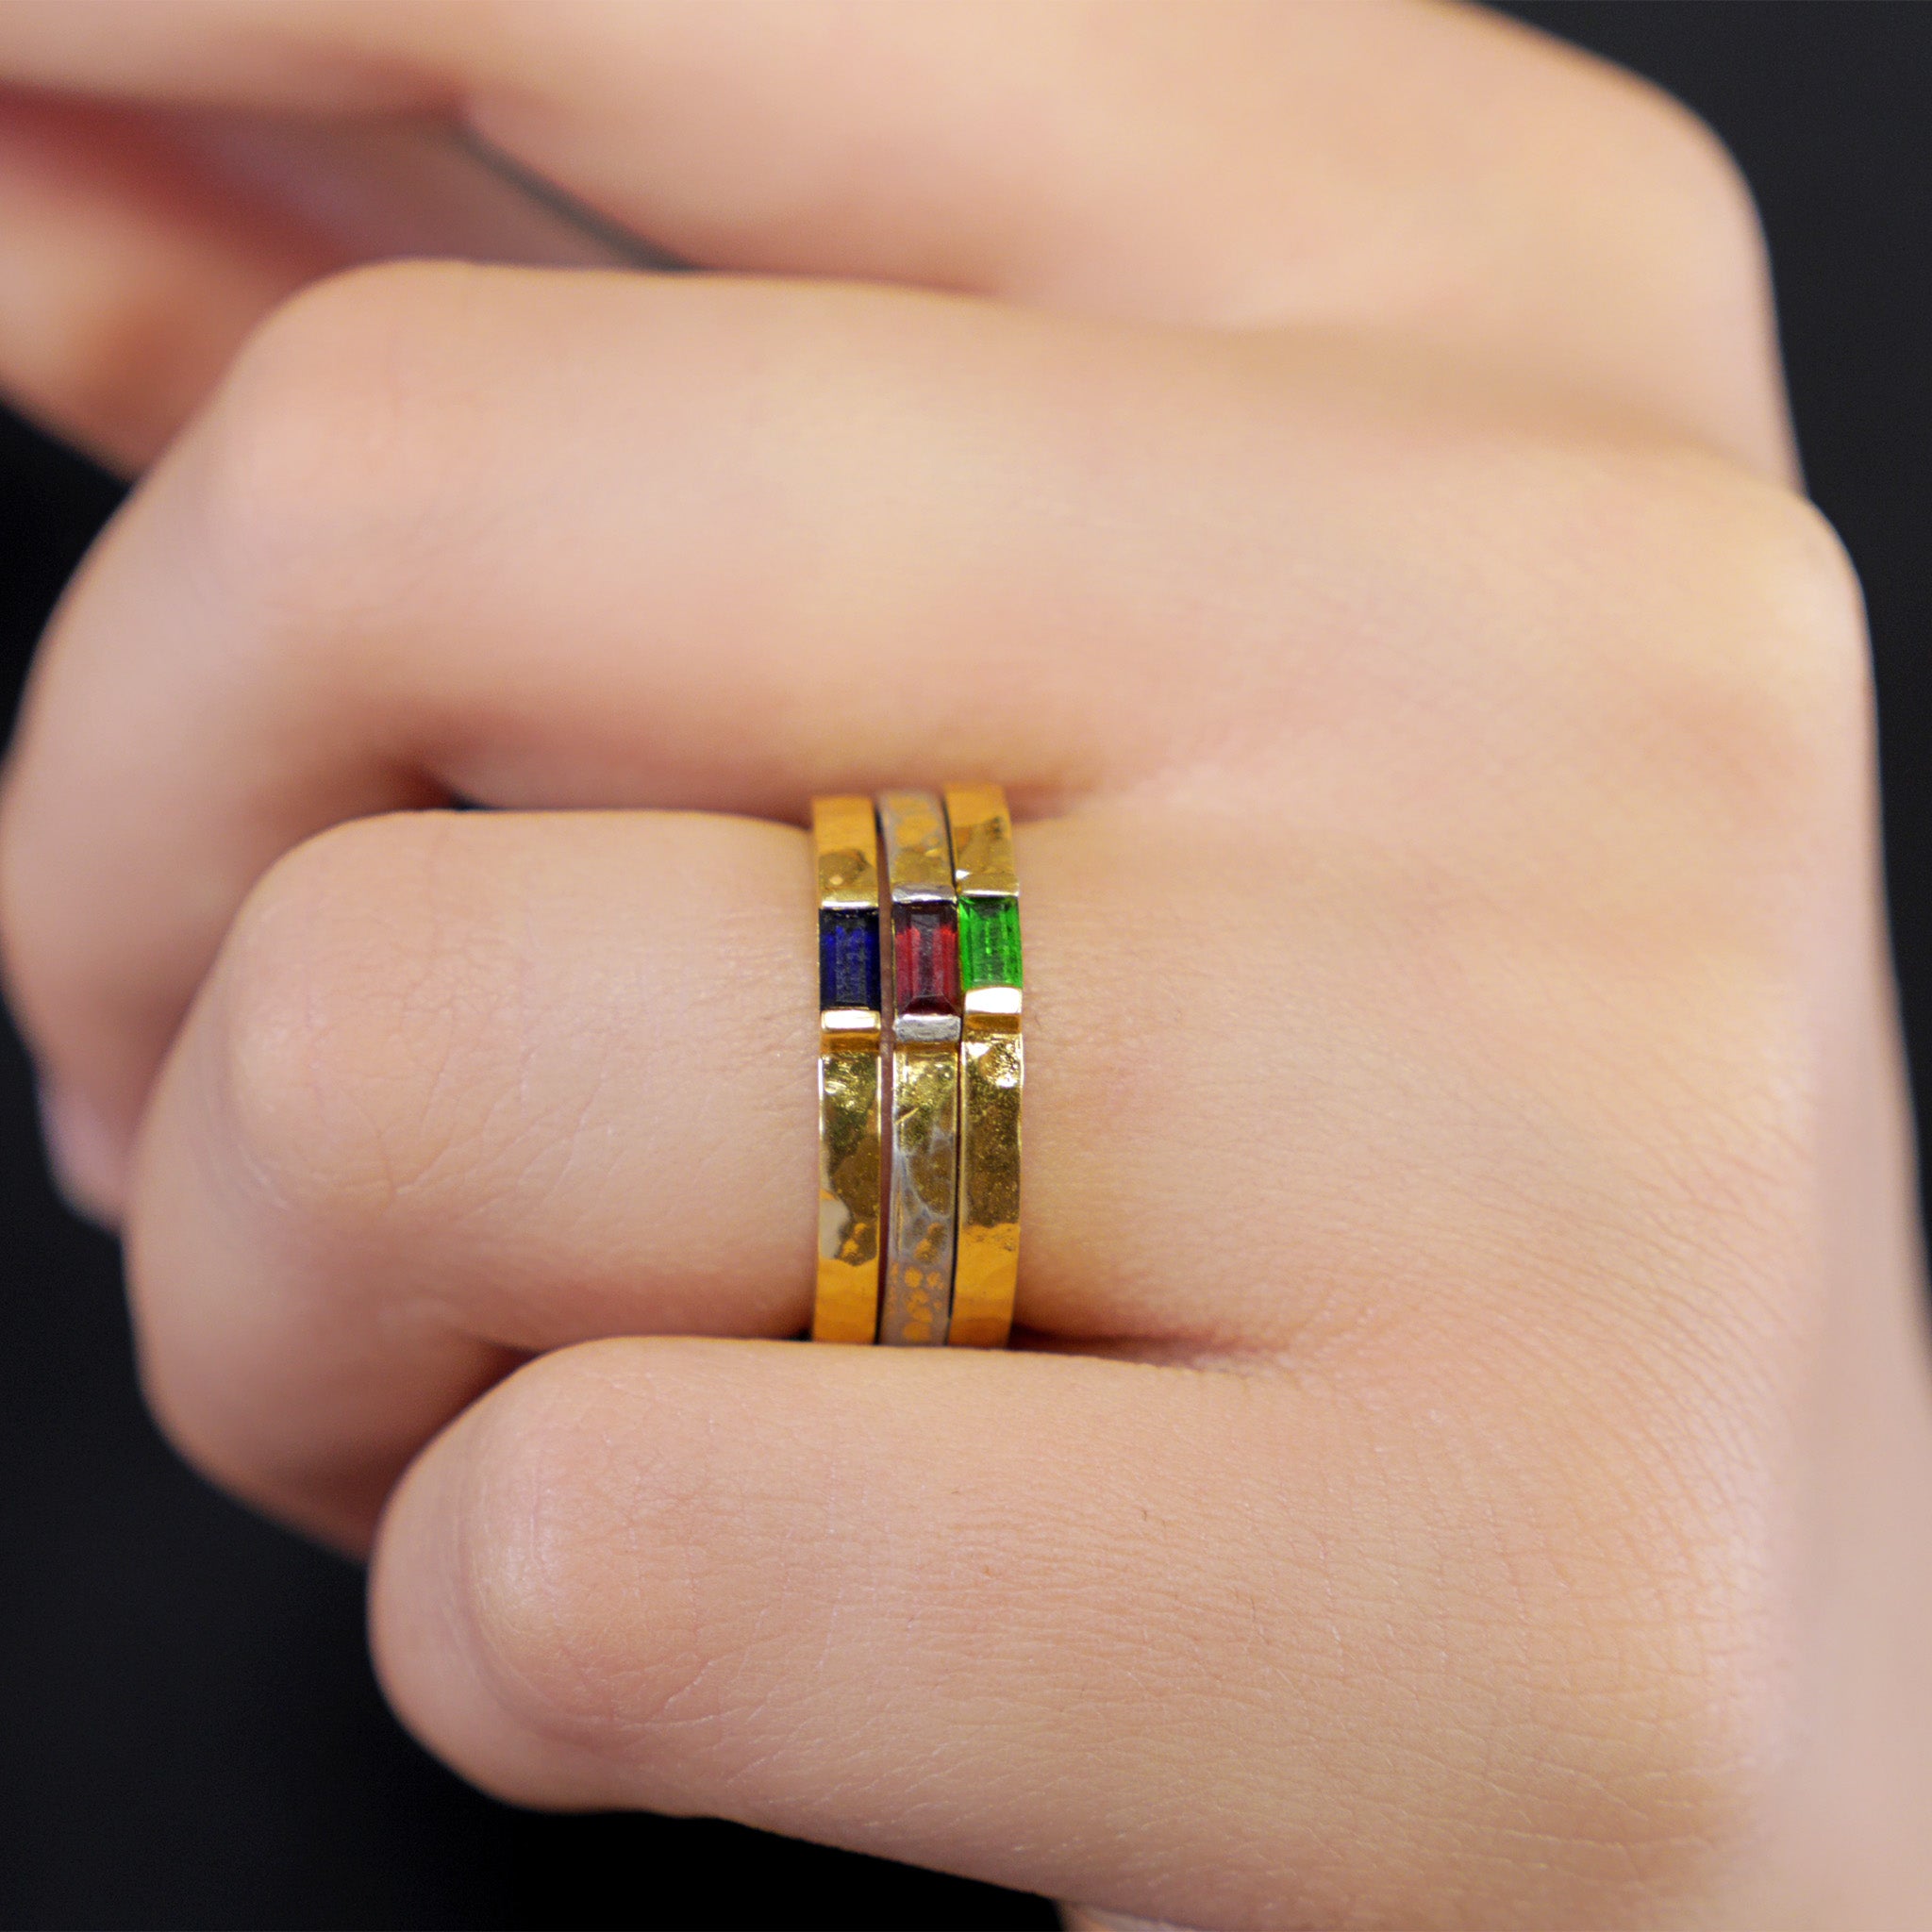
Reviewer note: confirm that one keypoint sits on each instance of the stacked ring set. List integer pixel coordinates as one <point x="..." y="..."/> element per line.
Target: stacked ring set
<point x="920" y="1068"/>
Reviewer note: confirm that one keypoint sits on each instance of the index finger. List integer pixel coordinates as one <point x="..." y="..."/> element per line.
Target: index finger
<point x="1425" y="169"/>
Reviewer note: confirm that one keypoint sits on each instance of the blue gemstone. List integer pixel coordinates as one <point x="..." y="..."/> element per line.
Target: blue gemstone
<point x="849" y="960"/>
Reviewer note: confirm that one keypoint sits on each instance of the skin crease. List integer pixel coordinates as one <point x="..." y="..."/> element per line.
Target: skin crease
<point x="1465" y="1462"/>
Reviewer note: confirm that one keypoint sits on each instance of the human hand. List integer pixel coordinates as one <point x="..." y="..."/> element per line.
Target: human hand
<point x="1466" y="1469"/>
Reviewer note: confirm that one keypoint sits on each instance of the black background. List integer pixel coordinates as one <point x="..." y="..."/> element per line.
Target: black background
<point x="189" y="1732"/>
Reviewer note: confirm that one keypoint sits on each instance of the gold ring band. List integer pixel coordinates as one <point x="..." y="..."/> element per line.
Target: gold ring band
<point x="991" y="1066"/>
<point x="851" y="1164"/>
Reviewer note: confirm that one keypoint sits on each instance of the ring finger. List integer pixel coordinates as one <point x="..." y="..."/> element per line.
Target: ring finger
<point x="465" y="1088"/>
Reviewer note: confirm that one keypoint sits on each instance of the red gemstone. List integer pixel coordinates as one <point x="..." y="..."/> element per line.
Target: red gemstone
<point x="925" y="960"/>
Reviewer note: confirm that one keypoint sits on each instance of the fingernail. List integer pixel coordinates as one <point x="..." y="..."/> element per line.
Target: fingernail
<point x="88" y="1158"/>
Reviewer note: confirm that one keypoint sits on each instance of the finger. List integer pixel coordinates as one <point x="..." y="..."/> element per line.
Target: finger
<point x="743" y="514"/>
<point x="464" y="1087"/>
<point x="1154" y="1639"/>
<point x="1435" y="172"/>
<point x="144" y="246"/>
<point x="748" y="542"/>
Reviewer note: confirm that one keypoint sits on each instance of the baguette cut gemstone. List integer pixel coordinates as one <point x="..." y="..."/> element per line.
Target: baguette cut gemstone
<point x="990" y="941"/>
<point x="925" y="960"/>
<point x="849" y="958"/>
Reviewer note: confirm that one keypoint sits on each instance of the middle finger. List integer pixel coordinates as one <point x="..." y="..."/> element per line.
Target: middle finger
<point x="747" y="543"/>
<point x="744" y="544"/>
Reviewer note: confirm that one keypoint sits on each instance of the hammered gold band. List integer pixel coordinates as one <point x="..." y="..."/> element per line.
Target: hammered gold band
<point x="851" y="1162"/>
<point x="991" y="1066"/>
<point x="920" y="1001"/>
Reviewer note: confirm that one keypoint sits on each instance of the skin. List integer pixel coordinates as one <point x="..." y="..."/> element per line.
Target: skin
<point x="1465" y="1465"/>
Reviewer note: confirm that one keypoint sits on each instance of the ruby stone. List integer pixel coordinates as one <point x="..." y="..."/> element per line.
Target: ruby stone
<point x="925" y="960"/>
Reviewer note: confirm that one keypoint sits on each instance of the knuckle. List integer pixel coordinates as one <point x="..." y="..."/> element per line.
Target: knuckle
<point x="330" y="424"/>
<point x="1782" y="682"/>
<point x="579" y="1569"/>
<point x="1660" y="159"/>
<point x="1636" y="1648"/>
<point x="1662" y="1755"/>
<point x="1669" y="1673"/>
<point x="326" y="1065"/>
<point x="1731" y="674"/>
<point x="118" y="377"/>
<point x="1690" y="160"/>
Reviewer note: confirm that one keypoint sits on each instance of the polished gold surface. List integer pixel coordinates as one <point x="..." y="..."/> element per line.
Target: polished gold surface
<point x="846" y="839"/>
<point x="919" y="858"/>
<point x="850" y="1161"/>
<point x="992" y="1070"/>
<point x="982" y="839"/>
<point x="916" y="1305"/>
<point x="851" y="1095"/>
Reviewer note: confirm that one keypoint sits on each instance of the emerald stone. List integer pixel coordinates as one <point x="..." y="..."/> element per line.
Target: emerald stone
<point x="990" y="941"/>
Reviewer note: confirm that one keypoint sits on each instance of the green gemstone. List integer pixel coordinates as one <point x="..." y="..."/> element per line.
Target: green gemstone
<point x="990" y="942"/>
